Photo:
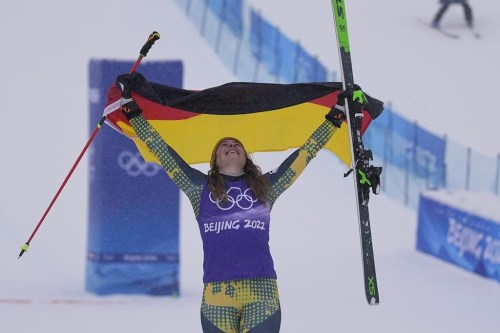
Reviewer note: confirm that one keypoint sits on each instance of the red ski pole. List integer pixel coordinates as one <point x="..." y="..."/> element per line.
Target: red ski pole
<point x="153" y="37"/>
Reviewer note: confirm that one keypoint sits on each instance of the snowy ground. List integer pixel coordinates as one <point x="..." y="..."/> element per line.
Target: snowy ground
<point x="446" y="85"/>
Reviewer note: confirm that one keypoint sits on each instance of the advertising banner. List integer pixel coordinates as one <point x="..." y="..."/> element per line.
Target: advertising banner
<point x="458" y="228"/>
<point x="133" y="213"/>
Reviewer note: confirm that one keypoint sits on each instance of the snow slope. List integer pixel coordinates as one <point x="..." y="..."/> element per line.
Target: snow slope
<point x="314" y="239"/>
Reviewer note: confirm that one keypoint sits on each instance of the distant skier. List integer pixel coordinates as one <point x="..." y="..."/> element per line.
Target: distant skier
<point x="444" y="7"/>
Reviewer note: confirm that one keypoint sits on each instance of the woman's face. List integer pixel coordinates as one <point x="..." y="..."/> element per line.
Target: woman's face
<point x="231" y="156"/>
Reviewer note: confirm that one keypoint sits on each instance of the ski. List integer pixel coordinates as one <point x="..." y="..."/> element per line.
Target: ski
<point x="360" y="158"/>
<point x="440" y="30"/>
<point x="446" y="33"/>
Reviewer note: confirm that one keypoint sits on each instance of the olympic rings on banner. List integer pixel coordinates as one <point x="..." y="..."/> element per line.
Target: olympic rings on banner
<point x="134" y="165"/>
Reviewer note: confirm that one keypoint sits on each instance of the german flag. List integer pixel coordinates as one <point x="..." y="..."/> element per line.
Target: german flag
<point x="263" y="116"/>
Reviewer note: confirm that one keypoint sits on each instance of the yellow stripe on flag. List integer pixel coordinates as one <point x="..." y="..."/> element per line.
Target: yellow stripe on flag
<point x="275" y="130"/>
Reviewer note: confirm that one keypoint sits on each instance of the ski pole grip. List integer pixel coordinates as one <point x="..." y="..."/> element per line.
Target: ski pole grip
<point x="151" y="40"/>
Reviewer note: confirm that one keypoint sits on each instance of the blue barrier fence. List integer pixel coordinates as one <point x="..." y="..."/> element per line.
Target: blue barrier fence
<point x="251" y="46"/>
<point x="413" y="158"/>
<point x="456" y="234"/>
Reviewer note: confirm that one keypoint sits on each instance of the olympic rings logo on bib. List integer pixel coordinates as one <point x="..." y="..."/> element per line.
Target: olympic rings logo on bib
<point x="235" y="196"/>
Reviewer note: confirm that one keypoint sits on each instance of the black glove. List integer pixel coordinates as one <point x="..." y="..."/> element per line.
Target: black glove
<point x="354" y="95"/>
<point x="130" y="108"/>
<point x="356" y="99"/>
<point x="127" y="81"/>
<point x="336" y="115"/>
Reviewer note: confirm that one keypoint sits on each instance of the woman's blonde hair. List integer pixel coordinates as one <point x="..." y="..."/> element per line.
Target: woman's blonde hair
<point x="253" y="175"/>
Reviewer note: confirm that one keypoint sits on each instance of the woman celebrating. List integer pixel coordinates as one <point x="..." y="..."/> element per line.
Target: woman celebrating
<point x="232" y="204"/>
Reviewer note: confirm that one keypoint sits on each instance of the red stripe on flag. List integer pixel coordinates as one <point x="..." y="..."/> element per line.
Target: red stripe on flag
<point x="328" y="100"/>
<point x="151" y="110"/>
<point x="155" y="111"/>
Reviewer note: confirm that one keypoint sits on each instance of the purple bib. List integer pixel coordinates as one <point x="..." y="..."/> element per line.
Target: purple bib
<point x="235" y="235"/>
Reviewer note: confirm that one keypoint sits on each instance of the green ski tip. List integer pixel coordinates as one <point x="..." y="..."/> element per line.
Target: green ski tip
<point x="341" y="25"/>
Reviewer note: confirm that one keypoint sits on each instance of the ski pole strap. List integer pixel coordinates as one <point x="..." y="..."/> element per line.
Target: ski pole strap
<point x="151" y="40"/>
